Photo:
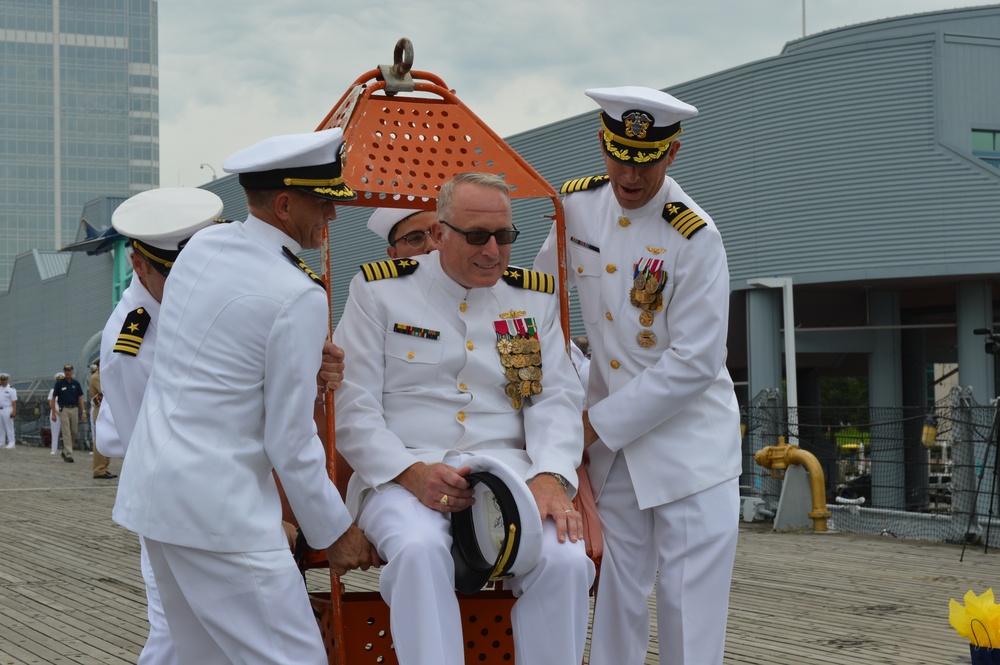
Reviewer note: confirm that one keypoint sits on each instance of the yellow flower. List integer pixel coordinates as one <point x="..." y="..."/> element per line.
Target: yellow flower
<point x="978" y="620"/>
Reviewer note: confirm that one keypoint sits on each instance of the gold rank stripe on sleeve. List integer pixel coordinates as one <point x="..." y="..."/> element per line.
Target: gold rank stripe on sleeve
<point x="301" y="265"/>
<point x="388" y="269"/>
<point x="581" y="184"/>
<point x="686" y="221"/>
<point x="132" y="332"/>
<point x="529" y="279"/>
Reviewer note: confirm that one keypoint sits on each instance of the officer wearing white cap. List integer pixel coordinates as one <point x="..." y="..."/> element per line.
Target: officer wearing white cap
<point x="229" y="400"/>
<point x="662" y="428"/>
<point x="8" y="410"/>
<point x="407" y="230"/>
<point x="466" y="359"/>
<point x="158" y="223"/>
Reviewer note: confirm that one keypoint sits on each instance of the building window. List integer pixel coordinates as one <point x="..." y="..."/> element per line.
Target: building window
<point x="986" y="146"/>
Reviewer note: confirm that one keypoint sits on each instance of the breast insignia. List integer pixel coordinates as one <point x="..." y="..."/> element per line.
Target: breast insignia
<point x="581" y="184"/>
<point x="132" y="332"/>
<point x="388" y="269"/>
<point x="686" y="221"/>
<point x="529" y="279"/>
<point x="302" y="266"/>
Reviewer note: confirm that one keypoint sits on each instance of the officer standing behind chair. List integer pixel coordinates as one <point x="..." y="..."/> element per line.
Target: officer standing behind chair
<point x="408" y="231"/>
<point x="663" y="423"/>
<point x="230" y="398"/>
<point x="464" y="355"/>
<point x="72" y="411"/>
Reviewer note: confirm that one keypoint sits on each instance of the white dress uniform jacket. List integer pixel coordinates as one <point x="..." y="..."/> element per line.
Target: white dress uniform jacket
<point x="241" y="334"/>
<point x="426" y="348"/>
<point x="124" y="376"/>
<point x="669" y="408"/>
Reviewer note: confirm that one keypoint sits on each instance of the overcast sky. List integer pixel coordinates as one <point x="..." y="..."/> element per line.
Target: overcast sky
<point x="235" y="71"/>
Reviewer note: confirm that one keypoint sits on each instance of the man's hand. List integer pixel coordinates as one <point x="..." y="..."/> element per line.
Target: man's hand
<point x="54" y="414"/>
<point x="553" y="501"/>
<point x="291" y="533"/>
<point x="589" y="435"/>
<point x="438" y="486"/>
<point x="352" y="550"/>
<point x="331" y="370"/>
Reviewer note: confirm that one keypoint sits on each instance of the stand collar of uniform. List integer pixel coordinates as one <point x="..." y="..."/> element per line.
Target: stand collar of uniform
<point x="448" y="285"/>
<point x="270" y="234"/>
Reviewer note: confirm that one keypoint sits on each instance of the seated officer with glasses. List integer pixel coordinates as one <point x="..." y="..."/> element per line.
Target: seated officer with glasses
<point x="408" y="231"/>
<point x="465" y="357"/>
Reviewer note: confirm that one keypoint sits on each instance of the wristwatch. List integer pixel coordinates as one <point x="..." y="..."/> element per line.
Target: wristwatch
<point x="562" y="480"/>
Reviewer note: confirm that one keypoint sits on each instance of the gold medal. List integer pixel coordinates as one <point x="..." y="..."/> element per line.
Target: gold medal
<point x="652" y="286"/>
<point x="507" y="360"/>
<point x="536" y="387"/>
<point x="646" y="339"/>
<point x="512" y="374"/>
<point x="524" y="374"/>
<point x="534" y="346"/>
<point x="525" y="388"/>
<point x="515" y="402"/>
<point x="646" y="318"/>
<point x="511" y="389"/>
<point x="504" y="346"/>
<point x="520" y="360"/>
<point x="639" y="282"/>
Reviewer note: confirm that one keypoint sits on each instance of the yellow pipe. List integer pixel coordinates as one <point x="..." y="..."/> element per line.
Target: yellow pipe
<point x="780" y="457"/>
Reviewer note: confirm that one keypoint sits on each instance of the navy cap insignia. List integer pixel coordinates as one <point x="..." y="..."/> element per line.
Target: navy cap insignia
<point x="581" y="184"/>
<point x="686" y="221"/>
<point x="302" y="266"/>
<point x="529" y="279"/>
<point x="132" y="332"/>
<point x="388" y="269"/>
<point x="637" y="123"/>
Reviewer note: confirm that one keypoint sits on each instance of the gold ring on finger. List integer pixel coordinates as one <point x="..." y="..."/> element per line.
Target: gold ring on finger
<point x="444" y="499"/>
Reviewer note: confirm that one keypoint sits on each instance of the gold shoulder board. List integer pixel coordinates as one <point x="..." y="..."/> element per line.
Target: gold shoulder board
<point x="529" y="279"/>
<point x="388" y="269"/>
<point x="686" y="221"/>
<point x="301" y="265"/>
<point x="581" y="184"/>
<point x="132" y="332"/>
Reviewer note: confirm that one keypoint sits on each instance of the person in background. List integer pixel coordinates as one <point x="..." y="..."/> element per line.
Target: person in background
<point x="8" y="410"/>
<point x="662" y="425"/>
<point x="100" y="465"/>
<point x="54" y="422"/>
<point x="408" y="231"/>
<point x="240" y="341"/>
<point x="72" y="410"/>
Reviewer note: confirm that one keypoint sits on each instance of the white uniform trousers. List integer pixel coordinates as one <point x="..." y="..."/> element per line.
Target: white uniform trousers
<point x="7" y="424"/>
<point x="159" y="648"/>
<point x="235" y="607"/>
<point x="549" y="619"/>
<point x="691" y="545"/>
<point x="56" y="431"/>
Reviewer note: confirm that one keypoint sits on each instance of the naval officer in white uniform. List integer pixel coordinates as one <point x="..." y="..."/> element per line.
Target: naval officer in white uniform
<point x="663" y="423"/>
<point x="464" y="355"/>
<point x="230" y="399"/>
<point x="158" y="223"/>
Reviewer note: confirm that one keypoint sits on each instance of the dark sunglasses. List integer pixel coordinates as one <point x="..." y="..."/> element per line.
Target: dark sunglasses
<point x="503" y="236"/>
<point x="413" y="239"/>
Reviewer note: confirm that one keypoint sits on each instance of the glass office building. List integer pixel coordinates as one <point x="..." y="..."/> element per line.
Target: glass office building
<point x="79" y="114"/>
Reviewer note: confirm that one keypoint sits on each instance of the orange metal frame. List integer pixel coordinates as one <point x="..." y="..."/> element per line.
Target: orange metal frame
<point x="405" y="134"/>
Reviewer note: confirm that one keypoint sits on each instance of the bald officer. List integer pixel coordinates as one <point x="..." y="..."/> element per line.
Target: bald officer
<point x="158" y="224"/>
<point x="230" y="399"/>
<point x="465" y="356"/>
<point x="663" y="423"/>
<point x="407" y="230"/>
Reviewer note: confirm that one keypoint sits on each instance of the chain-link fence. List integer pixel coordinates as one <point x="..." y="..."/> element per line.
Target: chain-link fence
<point x="879" y="476"/>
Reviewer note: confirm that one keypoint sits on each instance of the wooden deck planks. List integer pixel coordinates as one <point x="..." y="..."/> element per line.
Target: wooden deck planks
<point x="71" y="591"/>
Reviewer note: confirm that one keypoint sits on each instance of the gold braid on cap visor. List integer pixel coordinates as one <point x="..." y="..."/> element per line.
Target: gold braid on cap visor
<point x="321" y="186"/>
<point x="657" y="147"/>
<point x="152" y="257"/>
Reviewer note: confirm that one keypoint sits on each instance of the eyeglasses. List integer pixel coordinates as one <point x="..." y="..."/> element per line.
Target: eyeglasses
<point x="503" y="236"/>
<point x="413" y="239"/>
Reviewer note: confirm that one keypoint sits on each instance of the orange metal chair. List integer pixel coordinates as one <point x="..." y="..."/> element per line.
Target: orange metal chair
<point x="405" y="134"/>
